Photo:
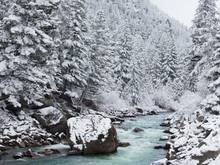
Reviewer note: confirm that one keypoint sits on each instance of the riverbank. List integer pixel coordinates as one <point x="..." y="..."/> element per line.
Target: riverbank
<point x="194" y="138"/>
<point x="141" y="150"/>
<point x="48" y="125"/>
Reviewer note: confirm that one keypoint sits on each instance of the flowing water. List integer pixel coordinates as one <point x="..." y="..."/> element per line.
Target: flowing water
<point x="140" y="152"/>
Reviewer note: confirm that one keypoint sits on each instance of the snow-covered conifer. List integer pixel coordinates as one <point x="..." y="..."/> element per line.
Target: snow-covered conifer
<point x="100" y="57"/>
<point x="203" y="37"/>
<point x="211" y="103"/>
<point x="27" y="48"/>
<point x="122" y="69"/>
<point x="167" y="63"/>
<point x="74" y="58"/>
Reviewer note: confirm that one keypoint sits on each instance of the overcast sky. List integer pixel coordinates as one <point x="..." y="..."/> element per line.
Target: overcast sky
<point x="182" y="10"/>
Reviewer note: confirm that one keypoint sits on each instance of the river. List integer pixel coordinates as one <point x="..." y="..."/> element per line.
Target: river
<point x="140" y="152"/>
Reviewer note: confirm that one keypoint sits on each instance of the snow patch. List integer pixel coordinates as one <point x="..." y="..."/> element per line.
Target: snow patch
<point x="160" y="162"/>
<point x="72" y="94"/>
<point x="14" y="101"/>
<point x="3" y="66"/>
<point x="54" y="113"/>
<point x="189" y="102"/>
<point x="113" y="99"/>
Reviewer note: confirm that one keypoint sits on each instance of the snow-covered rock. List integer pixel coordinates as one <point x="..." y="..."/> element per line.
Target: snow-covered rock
<point x="3" y="66"/>
<point x="2" y="148"/>
<point x="52" y="119"/>
<point x="160" y="162"/>
<point x="92" y="134"/>
<point x="164" y="138"/>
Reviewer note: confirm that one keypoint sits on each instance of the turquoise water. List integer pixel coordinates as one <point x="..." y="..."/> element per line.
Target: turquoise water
<point x="141" y="151"/>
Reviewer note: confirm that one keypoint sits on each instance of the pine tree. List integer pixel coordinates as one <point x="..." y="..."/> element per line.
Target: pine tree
<point x="134" y="86"/>
<point x="154" y="60"/>
<point x="181" y="83"/>
<point x="27" y="49"/>
<point x="122" y="69"/>
<point x="100" y="58"/>
<point x="139" y="80"/>
<point x="203" y="36"/>
<point x="167" y="56"/>
<point x="74" y="59"/>
<point x="211" y="103"/>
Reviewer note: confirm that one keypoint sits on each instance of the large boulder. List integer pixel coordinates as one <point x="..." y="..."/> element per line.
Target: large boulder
<point x="51" y="119"/>
<point x="92" y="134"/>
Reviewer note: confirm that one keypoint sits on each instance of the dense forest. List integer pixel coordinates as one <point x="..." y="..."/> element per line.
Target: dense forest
<point x="66" y="62"/>
<point x="50" y="46"/>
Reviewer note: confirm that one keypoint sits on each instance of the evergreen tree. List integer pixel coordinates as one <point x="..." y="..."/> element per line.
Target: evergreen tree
<point x="134" y="86"/>
<point x="27" y="49"/>
<point x="139" y="80"/>
<point x="100" y="58"/>
<point x="181" y="83"/>
<point x="167" y="56"/>
<point x="122" y="69"/>
<point x="153" y="62"/>
<point x="211" y="103"/>
<point x="203" y="36"/>
<point x="74" y="58"/>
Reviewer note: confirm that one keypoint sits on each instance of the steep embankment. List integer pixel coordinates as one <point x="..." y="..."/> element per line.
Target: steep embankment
<point x="194" y="138"/>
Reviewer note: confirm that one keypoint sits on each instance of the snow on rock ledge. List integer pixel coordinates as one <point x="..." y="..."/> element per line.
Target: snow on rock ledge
<point x="92" y="134"/>
<point x="197" y="140"/>
<point x="21" y="131"/>
<point x="51" y="119"/>
<point x="160" y="162"/>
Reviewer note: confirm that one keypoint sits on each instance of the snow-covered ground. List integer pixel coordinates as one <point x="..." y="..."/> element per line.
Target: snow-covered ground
<point x="195" y="138"/>
<point x="195" y="133"/>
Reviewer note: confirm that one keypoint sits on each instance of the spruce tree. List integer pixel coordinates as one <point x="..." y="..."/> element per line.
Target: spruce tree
<point x="100" y="58"/>
<point x="134" y="86"/>
<point x="27" y="49"/>
<point x="74" y="58"/>
<point x="167" y="65"/>
<point x="211" y="103"/>
<point x="203" y="36"/>
<point x="122" y="69"/>
<point x="139" y="82"/>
